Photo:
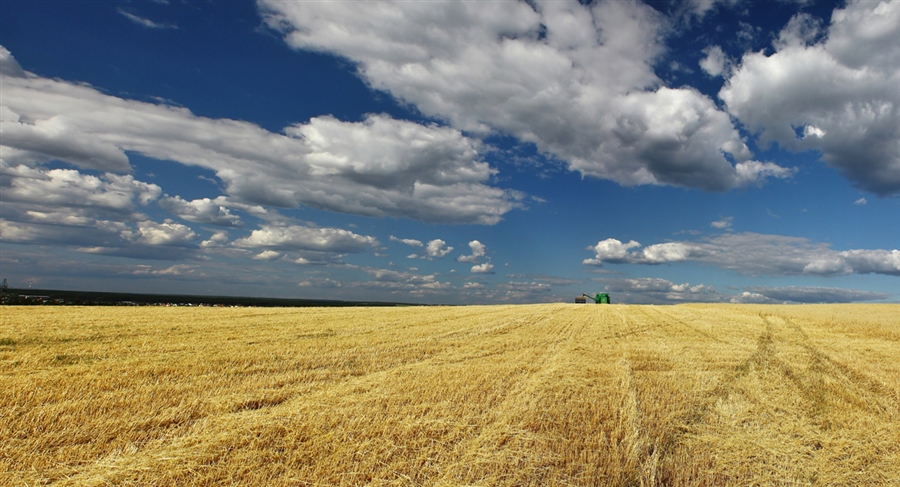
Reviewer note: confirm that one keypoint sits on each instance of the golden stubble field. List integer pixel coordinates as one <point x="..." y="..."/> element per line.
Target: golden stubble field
<point x="553" y="394"/>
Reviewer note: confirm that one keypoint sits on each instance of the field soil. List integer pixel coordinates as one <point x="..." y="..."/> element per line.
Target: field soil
<point x="552" y="394"/>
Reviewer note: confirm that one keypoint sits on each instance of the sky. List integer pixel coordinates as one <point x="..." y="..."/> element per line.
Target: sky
<point x="453" y="152"/>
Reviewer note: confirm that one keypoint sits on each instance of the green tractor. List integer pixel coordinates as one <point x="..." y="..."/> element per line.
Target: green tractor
<point x="600" y="298"/>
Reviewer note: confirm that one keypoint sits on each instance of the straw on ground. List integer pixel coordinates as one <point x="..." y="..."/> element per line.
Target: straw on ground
<point x="552" y="394"/>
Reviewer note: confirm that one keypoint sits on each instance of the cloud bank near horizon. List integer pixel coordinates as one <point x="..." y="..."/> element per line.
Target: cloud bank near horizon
<point x="752" y="254"/>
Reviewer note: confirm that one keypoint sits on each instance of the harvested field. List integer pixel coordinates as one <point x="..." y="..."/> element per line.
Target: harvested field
<point x="553" y="394"/>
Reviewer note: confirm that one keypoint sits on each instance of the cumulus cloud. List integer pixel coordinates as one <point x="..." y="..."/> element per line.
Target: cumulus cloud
<point x="267" y="255"/>
<point x="860" y="202"/>
<point x="71" y="189"/>
<point x="616" y="252"/>
<point x="699" y="8"/>
<point x="830" y="90"/>
<point x="165" y="233"/>
<point x="144" y="239"/>
<point x="484" y="268"/>
<point x="94" y="214"/>
<point x="9" y="66"/>
<point x="298" y="237"/>
<point x="538" y="71"/>
<point x="478" y="251"/>
<point x="437" y="248"/>
<point x="203" y="210"/>
<point x="216" y="240"/>
<point x="716" y="63"/>
<point x="722" y="224"/>
<point x="377" y="167"/>
<point x="873" y="261"/>
<point x="752" y="254"/>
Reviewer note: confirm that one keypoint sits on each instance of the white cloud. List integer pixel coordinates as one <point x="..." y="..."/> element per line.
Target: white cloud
<point x="407" y="281"/>
<point x="616" y="252"/>
<point x="175" y="270"/>
<point x="665" y="252"/>
<point x="755" y="172"/>
<point x="69" y="188"/>
<point x="377" y="167"/>
<point x="873" y="261"/>
<point x="408" y="241"/>
<point x="94" y="214"/>
<point x="437" y="248"/>
<point x="143" y="239"/>
<point x="723" y="223"/>
<point x="753" y="254"/>
<point x="539" y="72"/>
<point x="485" y="268"/>
<point x="324" y="282"/>
<point x="298" y="237"/>
<point x="9" y="66"/>
<point x="716" y="63"/>
<point x="204" y="210"/>
<point x="145" y="22"/>
<point x="267" y="255"/>
<point x="516" y="290"/>
<point x="217" y="239"/>
<point x="610" y="250"/>
<point x="663" y="291"/>
<point x="810" y="294"/>
<point x="478" y="251"/>
<point x="166" y="233"/>
<point x="831" y="91"/>
<point x="700" y="8"/>
<point x="748" y="297"/>
<point x="861" y="201"/>
<point x="801" y="30"/>
<point x="318" y="258"/>
<point x="656" y="290"/>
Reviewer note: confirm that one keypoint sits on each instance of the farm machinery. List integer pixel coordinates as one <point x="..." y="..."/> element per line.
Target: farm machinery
<point x="600" y="298"/>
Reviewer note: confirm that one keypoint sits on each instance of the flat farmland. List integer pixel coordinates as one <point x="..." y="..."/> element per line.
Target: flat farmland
<point x="550" y="394"/>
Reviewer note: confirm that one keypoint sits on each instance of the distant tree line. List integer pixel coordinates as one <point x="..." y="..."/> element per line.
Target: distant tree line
<point x="29" y="296"/>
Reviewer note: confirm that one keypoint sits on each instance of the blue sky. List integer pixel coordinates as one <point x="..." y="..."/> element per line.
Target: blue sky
<point x="453" y="152"/>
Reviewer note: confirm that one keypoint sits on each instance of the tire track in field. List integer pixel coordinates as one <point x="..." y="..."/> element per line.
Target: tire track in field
<point x="257" y="412"/>
<point x="761" y="360"/>
<point x="491" y="454"/>
<point x="669" y="319"/>
<point x="658" y="381"/>
<point x="260" y="413"/>
<point x="687" y="350"/>
<point x="789" y="381"/>
<point x="856" y="388"/>
<point x="630" y="328"/>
